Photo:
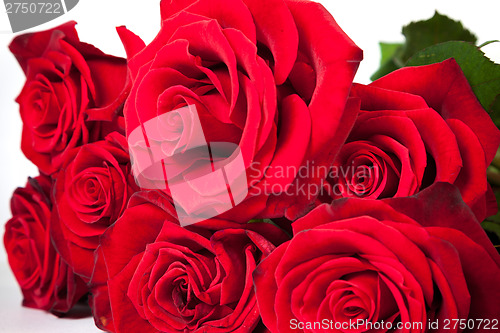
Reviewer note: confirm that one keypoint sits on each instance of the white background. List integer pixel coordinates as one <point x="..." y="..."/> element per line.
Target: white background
<point x="366" y="21"/>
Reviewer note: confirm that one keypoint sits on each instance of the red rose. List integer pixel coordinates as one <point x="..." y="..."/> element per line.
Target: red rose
<point x="165" y="278"/>
<point x="418" y="126"/>
<point x="45" y="279"/>
<point x="91" y="192"/>
<point x="270" y="77"/>
<point x="69" y="86"/>
<point x="399" y="260"/>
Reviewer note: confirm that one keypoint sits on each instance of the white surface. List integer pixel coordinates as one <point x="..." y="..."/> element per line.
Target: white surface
<point x="366" y="21"/>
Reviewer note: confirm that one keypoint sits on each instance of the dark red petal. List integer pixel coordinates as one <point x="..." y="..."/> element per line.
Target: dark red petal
<point x="169" y="26"/>
<point x="334" y="70"/>
<point x="101" y="308"/>
<point x="132" y="43"/>
<point x="229" y="246"/>
<point x="471" y="180"/>
<point x="452" y="98"/>
<point x="441" y="205"/>
<point x="125" y="316"/>
<point x="42" y="161"/>
<point x="169" y="8"/>
<point x="291" y="148"/>
<point x="480" y="270"/>
<point x="440" y="142"/>
<point x="109" y="76"/>
<point x="266" y="287"/>
<point x="348" y="208"/>
<point x="375" y="98"/>
<point x="33" y="45"/>
<point x="119" y="243"/>
<point x="276" y="29"/>
<point x="230" y="14"/>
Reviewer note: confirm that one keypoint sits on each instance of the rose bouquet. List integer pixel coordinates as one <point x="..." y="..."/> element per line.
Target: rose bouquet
<point x="229" y="176"/>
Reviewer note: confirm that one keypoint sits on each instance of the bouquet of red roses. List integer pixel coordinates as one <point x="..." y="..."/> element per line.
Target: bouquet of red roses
<point x="230" y="177"/>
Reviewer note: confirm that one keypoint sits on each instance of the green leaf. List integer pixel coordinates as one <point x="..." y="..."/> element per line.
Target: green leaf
<point x="263" y="221"/>
<point x="495" y="219"/>
<point x="494" y="228"/>
<point x="391" y="52"/>
<point x="488" y="43"/>
<point x="388" y="67"/>
<point x="495" y="111"/>
<point x="483" y="74"/>
<point x="438" y="29"/>
<point x="269" y="221"/>
<point x="420" y="35"/>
